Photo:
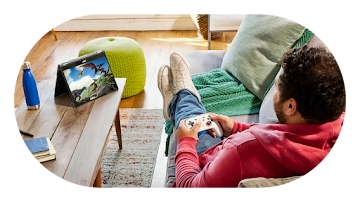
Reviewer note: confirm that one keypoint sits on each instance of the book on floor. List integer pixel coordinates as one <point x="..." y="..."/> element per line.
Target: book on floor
<point x="41" y="148"/>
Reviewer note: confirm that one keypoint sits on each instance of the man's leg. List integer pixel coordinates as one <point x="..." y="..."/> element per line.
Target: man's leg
<point x="182" y="101"/>
<point x="186" y="105"/>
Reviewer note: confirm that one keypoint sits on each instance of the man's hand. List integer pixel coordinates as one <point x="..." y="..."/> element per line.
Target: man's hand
<point x="226" y="123"/>
<point x="183" y="131"/>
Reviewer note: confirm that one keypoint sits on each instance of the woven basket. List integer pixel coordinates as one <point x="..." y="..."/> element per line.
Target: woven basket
<point x="201" y="22"/>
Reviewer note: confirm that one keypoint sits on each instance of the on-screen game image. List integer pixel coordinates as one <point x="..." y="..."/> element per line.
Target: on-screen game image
<point x="90" y="80"/>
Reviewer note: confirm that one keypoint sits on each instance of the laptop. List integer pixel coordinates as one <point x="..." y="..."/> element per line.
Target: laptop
<point x="86" y="78"/>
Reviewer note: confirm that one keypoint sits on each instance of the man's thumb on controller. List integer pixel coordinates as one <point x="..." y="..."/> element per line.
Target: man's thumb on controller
<point x="197" y="126"/>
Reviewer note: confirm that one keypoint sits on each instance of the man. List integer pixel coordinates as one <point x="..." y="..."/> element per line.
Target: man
<point x="309" y="102"/>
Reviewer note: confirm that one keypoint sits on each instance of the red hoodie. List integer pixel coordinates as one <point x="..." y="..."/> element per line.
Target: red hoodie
<point x="256" y="150"/>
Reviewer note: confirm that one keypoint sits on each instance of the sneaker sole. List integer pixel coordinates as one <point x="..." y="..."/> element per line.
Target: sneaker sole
<point x="161" y="70"/>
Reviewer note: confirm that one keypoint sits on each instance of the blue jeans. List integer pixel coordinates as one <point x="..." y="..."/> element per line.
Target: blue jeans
<point x="186" y="105"/>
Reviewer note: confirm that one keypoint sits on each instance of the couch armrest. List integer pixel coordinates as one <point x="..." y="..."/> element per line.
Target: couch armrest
<point x="170" y="169"/>
<point x="204" y="61"/>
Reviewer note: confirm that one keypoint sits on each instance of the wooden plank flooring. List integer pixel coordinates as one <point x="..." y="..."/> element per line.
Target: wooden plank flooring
<point x="47" y="53"/>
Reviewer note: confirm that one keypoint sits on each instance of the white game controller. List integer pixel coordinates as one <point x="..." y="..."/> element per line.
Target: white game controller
<point x="206" y="124"/>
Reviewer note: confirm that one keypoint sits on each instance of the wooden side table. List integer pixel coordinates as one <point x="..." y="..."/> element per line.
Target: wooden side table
<point x="79" y="134"/>
<point x="223" y="23"/>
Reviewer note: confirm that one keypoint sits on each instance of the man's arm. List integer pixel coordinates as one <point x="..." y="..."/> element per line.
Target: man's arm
<point x="223" y="171"/>
<point x="228" y="125"/>
<point x="239" y="127"/>
<point x="217" y="173"/>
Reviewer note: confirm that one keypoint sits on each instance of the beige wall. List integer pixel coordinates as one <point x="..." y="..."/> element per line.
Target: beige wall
<point x="136" y="22"/>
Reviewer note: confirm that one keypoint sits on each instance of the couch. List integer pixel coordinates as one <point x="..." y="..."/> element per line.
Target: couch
<point x="205" y="61"/>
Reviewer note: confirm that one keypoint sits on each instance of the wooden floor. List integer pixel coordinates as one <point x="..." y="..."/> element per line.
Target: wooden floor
<point x="47" y="53"/>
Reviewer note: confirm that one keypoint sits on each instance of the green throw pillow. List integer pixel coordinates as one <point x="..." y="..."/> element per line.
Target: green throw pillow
<point x="256" y="50"/>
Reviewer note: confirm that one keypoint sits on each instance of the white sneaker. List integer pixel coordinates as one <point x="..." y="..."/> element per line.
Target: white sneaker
<point x="166" y="87"/>
<point x="180" y="70"/>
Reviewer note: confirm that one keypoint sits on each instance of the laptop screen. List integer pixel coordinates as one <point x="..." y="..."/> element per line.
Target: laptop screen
<point x="89" y="77"/>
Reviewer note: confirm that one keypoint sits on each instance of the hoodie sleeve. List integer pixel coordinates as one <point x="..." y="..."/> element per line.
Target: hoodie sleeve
<point x="214" y="174"/>
<point x="239" y="127"/>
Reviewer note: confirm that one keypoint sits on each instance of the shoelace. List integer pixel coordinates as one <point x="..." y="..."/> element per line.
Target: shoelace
<point x="179" y="76"/>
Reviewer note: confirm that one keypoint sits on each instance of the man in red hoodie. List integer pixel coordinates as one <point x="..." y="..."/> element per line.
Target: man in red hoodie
<point x="309" y="102"/>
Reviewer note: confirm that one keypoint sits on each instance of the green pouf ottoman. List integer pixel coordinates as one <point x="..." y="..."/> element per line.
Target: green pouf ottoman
<point x="126" y="59"/>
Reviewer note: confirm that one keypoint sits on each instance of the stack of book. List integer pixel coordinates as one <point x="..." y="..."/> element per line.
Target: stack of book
<point x="41" y="148"/>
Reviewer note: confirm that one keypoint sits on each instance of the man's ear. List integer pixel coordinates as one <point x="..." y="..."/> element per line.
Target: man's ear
<point x="290" y="106"/>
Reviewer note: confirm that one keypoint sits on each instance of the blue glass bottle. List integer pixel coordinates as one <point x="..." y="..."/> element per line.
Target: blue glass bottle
<point x="30" y="87"/>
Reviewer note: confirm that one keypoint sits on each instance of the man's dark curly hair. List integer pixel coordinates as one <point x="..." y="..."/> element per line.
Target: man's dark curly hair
<point x="312" y="77"/>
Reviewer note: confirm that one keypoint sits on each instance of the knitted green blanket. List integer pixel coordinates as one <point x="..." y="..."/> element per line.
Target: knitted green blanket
<point x="222" y="93"/>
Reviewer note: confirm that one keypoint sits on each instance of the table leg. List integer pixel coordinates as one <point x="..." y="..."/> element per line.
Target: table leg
<point x="118" y="128"/>
<point x="209" y="33"/>
<point x="53" y="32"/>
<point x="97" y="182"/>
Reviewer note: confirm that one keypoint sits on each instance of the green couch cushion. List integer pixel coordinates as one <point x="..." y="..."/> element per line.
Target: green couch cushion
<point x="256" y="50"/>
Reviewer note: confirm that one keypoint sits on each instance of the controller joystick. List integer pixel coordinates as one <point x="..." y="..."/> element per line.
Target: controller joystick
<point x="206" y="124"/>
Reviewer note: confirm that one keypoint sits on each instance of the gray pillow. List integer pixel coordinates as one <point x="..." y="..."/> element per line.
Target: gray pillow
<point x="255" y="52"/>
<point x="267" y="113"/>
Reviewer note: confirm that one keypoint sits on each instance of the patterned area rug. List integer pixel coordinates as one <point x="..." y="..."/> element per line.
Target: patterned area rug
<point x="134" y="164"/>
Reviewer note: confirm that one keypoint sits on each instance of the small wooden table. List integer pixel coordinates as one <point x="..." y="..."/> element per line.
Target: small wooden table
<point x="79" y="134"/>
<point x="223" y="23"/>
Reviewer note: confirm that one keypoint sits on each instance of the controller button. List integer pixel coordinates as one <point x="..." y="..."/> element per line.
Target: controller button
<point x="208" y="123"/>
